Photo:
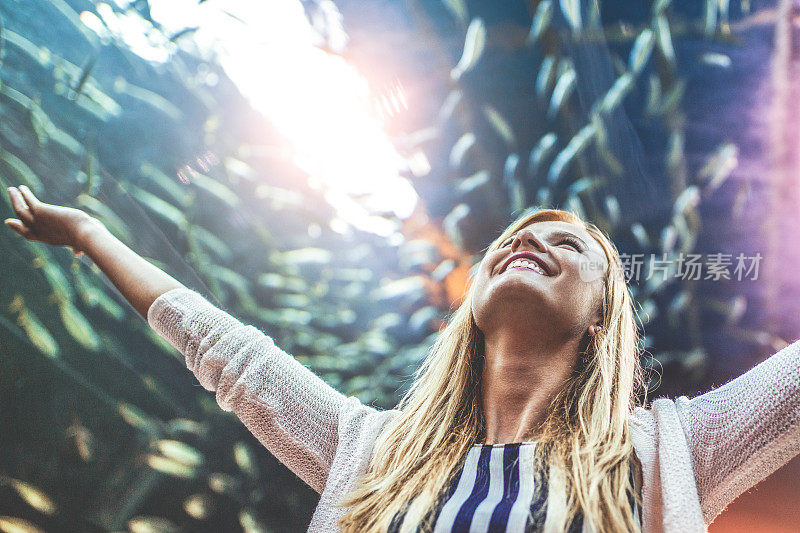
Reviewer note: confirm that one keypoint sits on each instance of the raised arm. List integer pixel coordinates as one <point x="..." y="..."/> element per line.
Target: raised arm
<point x="139" y="281"/>
<point x="745" y="430"/>
<point x="291" y="411"/>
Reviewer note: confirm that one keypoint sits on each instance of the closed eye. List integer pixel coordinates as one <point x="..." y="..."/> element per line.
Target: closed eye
<point x="573" y="242"/>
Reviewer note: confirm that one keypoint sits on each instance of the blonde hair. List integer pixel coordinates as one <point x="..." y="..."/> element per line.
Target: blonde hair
<point x="584" y="444"/>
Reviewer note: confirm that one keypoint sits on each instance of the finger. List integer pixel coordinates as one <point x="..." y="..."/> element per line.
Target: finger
<point x="19" y="227"/>
<point x="20" y="207"/>
<point x="32" y="201"/>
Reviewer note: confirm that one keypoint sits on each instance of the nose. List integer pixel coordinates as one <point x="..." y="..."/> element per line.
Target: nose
<point x="528" y="238"/>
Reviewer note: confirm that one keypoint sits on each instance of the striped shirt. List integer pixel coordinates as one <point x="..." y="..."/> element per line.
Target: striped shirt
<point x="496" y="490"/>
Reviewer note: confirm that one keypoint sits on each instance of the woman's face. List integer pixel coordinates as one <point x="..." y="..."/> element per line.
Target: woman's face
<point x="549" y="274"/>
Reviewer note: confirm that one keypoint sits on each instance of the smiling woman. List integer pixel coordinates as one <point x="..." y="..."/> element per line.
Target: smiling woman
<point x="547" y="367"/>
<point x="523" y="417"/>
<point x="550" y="359"/>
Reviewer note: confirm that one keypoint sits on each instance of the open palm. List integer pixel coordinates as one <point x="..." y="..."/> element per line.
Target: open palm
<point x="39" y="221"/>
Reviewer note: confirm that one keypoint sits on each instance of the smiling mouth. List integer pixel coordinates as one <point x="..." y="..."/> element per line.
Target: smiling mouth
<point x="525" y="264"/>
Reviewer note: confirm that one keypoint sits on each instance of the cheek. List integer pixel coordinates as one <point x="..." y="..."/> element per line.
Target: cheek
<point x="578" y="287"/>
<point x="583" y="268"/>
<point x="480" y="289"/>
<point x="591" y="266"/>
<point x="482" y="275"/>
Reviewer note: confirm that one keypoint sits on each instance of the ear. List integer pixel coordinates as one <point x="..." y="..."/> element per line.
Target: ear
<point x="594" y="329"/>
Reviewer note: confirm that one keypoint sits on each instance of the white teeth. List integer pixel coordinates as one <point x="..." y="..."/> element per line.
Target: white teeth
<point x="525" y="263"/>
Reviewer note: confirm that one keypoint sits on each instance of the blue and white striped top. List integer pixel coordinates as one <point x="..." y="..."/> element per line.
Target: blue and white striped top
<point x="493" y="492"/>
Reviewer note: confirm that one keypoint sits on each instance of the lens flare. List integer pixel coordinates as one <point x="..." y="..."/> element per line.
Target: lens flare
<point x="318" y="101"/>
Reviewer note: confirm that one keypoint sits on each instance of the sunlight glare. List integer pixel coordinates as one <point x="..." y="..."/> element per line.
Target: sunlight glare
<point x="318" y="101"/>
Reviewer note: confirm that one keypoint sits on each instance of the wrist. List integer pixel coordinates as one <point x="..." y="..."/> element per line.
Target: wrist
<point x="86" y="228"/>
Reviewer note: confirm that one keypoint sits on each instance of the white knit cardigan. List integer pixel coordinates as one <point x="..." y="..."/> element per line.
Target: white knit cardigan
<point x="697" y="454"/>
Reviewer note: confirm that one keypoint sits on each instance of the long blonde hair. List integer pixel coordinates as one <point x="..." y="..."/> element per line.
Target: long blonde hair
<point x="584" y="443"/>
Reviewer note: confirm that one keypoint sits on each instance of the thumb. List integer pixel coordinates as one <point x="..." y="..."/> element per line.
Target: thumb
<point x="17" y="226"/>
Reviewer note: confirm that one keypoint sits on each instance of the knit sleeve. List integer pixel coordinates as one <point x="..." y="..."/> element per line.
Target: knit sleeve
<point x="745" y="430"/>
<point x="289" y="409"/>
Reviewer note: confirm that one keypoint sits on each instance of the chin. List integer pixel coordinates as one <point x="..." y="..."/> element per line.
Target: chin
<point x="513" y="300"/>
<point x="515" y="284"/>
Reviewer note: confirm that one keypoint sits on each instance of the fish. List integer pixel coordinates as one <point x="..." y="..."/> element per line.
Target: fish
<point x="664" y="36"/>
<point x="641" y="50"/>
<point x="245" y="460"/>
<point x="10" y="524"/>
<point x="459" y="150"/>
<point x="157" y="205"/>
<point x="32" y="495"/>
<point x="474" y="44"/>
<point x="500" y="125"/>
<point x="151" y="524"/>
<point x="171" y="467"/>
<point x="541" y="21"/>
<point x="78" y="326"/>
<point x="179" y="451"/>
<point x="198" y="506"/>
<point x="544" y="148"/>
<point x="222" y="483"/>
<point x="576" y="145"/>
<point x="458" y="8"/>
<point x="565" y="85"/>
<point x="572" y="12"/>
<point x="36" y="331"/>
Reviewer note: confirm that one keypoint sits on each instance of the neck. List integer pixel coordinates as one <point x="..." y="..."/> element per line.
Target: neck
<point x="520" y="378"/>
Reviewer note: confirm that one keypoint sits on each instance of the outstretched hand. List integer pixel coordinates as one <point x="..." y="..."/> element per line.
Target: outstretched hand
<point x="39" y="221"/>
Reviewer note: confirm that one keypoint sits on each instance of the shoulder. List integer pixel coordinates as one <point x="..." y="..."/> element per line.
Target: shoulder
<point x="646" y="418"/>
<point x="360" y="421"/>
<point x="647" y="424"/>
<point x="642" y="426"/>
<point x="359" y="427"/>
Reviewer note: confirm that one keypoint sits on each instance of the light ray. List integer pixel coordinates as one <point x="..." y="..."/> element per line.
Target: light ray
<point x="318" y="101"/>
